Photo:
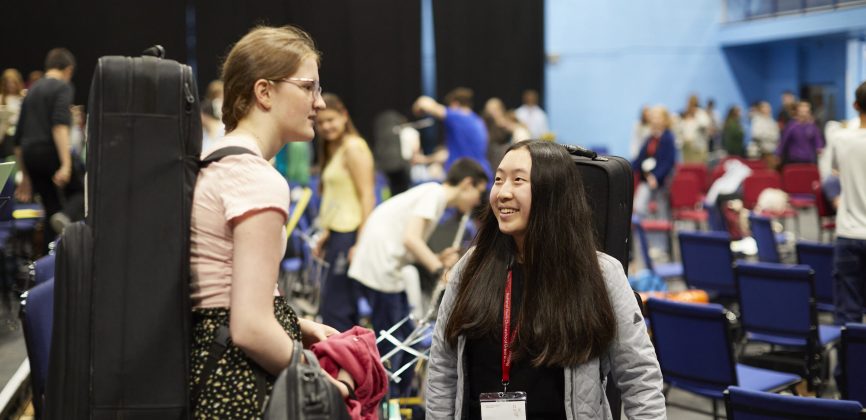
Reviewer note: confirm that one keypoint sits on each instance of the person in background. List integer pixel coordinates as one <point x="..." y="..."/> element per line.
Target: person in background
<point x="802" y="140"/>
<point x="347" y="200"/>
<point x="465" y="133"/>
<point x="211" y="115"/>
<point x="849" y="258"/>
<point x="765" y="132"/>
<point x="732" y="134"/>
<point x="42" y="139"/>
<point x="11" y="95"/>
<point x="531" y="115"/>
<point x="503" y="129"/>
<point x="716" y="125"/>
<point x="396" y="236"/>
<point x="569" y="315"/>
<point x="238" y="235"/>
<point x="33" y="77"/>
<point x="787" y="111"/>
<point x="693" y="132"/>
<point x="654" y="163"/>
<point x="640" y="132"/>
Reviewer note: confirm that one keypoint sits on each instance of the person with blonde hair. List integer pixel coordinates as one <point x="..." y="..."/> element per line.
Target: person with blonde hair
<point x="240" y="205"/>
<point x="654" y="162"/>
<point x="347" y="200"/>
<point x="11" y="95"/>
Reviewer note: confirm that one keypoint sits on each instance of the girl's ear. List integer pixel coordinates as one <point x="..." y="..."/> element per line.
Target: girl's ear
<point x="262" y="92"/>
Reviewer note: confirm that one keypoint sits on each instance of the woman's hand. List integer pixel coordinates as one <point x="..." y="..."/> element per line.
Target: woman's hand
<point x="313" y="332"/>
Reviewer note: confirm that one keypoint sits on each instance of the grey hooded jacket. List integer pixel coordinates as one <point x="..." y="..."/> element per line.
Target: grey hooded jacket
<point x="631" y="358"/>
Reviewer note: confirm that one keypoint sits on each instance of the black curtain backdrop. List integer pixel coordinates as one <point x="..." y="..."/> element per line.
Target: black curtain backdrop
<point x="494" y="47"/>
<point x="90" y="29"/>
<point x="371" y="50"/>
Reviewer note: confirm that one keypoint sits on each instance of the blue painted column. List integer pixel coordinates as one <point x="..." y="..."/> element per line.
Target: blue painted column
<point x="855" y="73"/>
<point x="428" y="49"/>
<point x="429" y="136"/>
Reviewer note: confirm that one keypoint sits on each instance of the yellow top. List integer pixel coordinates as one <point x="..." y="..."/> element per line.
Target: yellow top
<point x="341" y="203"/>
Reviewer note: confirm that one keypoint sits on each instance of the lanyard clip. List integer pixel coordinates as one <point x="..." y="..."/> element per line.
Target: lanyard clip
<point x="504" y="386"/>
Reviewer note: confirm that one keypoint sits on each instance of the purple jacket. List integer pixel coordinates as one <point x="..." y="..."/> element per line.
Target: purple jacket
<point x="800" y="142"/>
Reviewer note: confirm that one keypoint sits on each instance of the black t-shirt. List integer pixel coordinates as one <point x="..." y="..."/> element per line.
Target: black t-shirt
<point x="46" y="105"/>
<point x="544" y="386"/>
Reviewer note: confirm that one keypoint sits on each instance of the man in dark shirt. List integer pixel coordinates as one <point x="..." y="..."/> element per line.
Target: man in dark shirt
<point x="42" y="136"/>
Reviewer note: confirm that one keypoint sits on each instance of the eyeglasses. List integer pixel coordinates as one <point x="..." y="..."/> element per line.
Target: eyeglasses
<point x="312" y="86"/>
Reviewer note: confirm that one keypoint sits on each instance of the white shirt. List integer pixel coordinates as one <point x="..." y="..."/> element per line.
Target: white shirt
<point x="534" y="118"/>
<point x="848" y="155"/>
<point x="380" y="253"/>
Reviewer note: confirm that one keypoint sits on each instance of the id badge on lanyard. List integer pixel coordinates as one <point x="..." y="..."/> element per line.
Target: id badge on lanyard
<point x="504" y="405"/>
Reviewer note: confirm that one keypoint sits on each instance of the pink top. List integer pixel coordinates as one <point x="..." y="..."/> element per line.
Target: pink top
<point x="224" y="191"/>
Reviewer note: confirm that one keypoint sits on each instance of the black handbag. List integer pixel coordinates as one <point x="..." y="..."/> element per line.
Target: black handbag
<point x="302" y="391"/>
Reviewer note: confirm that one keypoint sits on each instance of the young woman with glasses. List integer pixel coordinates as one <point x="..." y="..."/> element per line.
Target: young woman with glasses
<point x="240" y="205"/>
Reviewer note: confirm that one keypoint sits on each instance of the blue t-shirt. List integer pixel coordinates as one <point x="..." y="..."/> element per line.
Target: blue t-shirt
<point x="465" y="136"/>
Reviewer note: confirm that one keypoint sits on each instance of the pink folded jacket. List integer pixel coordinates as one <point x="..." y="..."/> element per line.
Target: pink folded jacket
<point x="355" y="352"/>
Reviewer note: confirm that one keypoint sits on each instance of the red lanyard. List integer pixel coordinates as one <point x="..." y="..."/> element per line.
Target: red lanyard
<point x="652" y="146"/>
<point x="507" y="336"/>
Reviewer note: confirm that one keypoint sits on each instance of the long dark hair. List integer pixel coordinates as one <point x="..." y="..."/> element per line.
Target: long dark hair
<point x="565" y="317"/>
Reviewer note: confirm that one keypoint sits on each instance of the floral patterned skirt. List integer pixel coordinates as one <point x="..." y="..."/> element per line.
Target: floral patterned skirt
<point x="230" y="390"/>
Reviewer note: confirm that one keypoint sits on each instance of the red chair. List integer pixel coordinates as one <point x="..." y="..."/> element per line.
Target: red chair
<point x="826" y="212"/>
<point x="755" y="164"/>
<point x="686" y="199"/>
<point x="699" y="170"/>
<point x="797" y="179"/>
<point x="757" y="182"/>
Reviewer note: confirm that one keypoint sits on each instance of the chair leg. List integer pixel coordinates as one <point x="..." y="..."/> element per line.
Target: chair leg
<point x="715" y="409"/>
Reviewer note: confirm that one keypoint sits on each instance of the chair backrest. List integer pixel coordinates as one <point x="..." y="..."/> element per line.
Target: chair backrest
<point x="644" y="245"/>
<point x="699" y="170"/>
<point x="685" y="190"/>
<point x="708" y="261"/>
<point x="693" y="344"/>
<point x="819" y="256"/>
<point x="777" y="299"/>
<point x="765" y="238"/>
<point x="758" y="181"/>
<point x="824" y="208"/>
<point x="43" y="269"/>
<point x="755" y="164"/>
<point x="744" y="404"/>
<point x="37" y="323"/>
<point x="852" y="358"/>
<point x="797" y="178"/>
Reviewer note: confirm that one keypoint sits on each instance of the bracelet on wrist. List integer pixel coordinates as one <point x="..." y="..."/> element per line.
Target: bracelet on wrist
<point x="348" y="388"/>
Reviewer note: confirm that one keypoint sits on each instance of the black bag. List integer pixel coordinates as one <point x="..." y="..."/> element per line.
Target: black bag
<point x="609" y="184"/>
<point x="126" y="354"/>
<point x="303" y="392"/>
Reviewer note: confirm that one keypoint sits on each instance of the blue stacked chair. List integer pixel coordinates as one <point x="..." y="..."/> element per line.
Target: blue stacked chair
<point x="765" y="238"/>
<point x="695" y="351"/>
<point x="744" y="404"/>
<point x="37" y="319"/>
<point x="664" y="270"/>
<point x="819" y="256"/>
<point x="777" y="306"/>
<point x="708" y="262"/>
<point x="852" y="359"/>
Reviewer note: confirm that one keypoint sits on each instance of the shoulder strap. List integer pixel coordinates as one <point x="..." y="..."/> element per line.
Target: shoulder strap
<point x="223" y="152"/>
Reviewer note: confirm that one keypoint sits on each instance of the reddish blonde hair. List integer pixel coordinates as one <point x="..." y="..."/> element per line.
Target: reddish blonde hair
<point x="263" y="53"/>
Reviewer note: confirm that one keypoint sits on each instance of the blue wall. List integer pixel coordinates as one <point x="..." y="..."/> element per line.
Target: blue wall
<point x="616" y="56"/>
<point x="610" y="58"/>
